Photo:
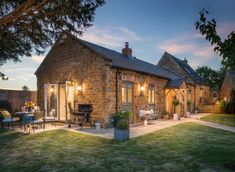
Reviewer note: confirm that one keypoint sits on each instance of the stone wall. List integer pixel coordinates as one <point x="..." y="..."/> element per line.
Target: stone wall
<point x="171" y="65"/>
<point x="78" y="64"/>
<point x="17" y="98"/>
<point x="141" y="98"/>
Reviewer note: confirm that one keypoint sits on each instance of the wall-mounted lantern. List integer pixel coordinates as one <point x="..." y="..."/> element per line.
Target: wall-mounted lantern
<point x="141" y="88"/>
<point x="51" y="90"/>
<point x="79" y="88"/>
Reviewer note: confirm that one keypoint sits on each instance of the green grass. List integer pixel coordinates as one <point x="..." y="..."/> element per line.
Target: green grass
<point x="185" y="147"/>
<point x="224" y="119"/>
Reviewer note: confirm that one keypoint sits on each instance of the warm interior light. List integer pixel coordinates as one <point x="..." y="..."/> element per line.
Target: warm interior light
<point x="79" y="88"/>
<point x="142" y="88"/>
<point x="51" y="90"/>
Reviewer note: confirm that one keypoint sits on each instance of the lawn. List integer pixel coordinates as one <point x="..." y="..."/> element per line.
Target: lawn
<point x="185" y="147"/>
<point x="224" y="119"/>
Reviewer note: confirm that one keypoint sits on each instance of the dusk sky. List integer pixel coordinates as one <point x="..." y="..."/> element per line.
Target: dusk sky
<point x="151" y="27"/>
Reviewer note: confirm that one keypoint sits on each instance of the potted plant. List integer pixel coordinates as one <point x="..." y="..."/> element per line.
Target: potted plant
<point x="188" y="108"/>
<point x="97" y="125"/>
<point x="121" y="126"/>
<point x="175" y="103"/>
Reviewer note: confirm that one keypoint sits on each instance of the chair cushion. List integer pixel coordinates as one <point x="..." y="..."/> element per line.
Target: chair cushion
<point x="5" y="114"/>
<point x="37" y="121"/>
<point x="49" y="118"/>
<point x="141" y="113"/>
<point x="10" y="119"/>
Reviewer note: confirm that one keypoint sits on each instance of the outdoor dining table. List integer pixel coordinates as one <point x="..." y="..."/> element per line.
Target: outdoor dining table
<point x="21" y="114"/>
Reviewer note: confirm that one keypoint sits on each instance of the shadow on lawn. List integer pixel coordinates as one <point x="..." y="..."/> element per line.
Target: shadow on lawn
<point x="180" y="148"/>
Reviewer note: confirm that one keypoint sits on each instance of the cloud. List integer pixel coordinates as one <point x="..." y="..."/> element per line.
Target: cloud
<point x="108" y="36"/>
<point x="224" y="29"/>
<point x="37" y="58"/>
<point x="177" y="48"/>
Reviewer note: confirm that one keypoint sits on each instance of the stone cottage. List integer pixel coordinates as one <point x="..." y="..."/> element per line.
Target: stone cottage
<point x="227" y="85"/>
<point x="79" y="72"/>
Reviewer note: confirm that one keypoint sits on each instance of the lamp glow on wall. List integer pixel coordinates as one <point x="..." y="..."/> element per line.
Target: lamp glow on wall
<point x="79" y="88"/>
<point x="51" y="89"/>
<point x="141" y="88"/>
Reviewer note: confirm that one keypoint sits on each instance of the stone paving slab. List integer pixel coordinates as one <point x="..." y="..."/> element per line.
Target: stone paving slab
<point x="138" y="130"/>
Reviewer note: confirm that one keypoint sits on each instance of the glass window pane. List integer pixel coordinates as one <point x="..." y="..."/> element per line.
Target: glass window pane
<point x="123" y="95"/>
<point x="152" y="96"/>
<point x="129" y="94"/>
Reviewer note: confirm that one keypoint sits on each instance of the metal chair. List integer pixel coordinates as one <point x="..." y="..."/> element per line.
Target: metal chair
<point x="50" y="117"/>
<point x="38" y="120"/>
<point x="27" y="121"/>
<point x="7" y="118"/>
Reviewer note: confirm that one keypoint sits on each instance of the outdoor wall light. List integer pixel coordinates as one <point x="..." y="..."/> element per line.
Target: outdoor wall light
<point x="79" y="88"/>
<point x="142" y="88"/>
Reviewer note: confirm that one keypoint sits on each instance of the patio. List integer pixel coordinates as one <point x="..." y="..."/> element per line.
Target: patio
<point x="135" y="130"/>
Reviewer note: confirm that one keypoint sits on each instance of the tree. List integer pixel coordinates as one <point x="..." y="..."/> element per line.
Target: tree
<point x="32" y="25"/>
<point x="213" y="78"/>
<point x="26" y="94"/>
<point x="226" y="48"/>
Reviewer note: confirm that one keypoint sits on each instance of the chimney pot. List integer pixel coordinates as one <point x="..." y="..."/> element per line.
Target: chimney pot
<point x="127" y="51"/>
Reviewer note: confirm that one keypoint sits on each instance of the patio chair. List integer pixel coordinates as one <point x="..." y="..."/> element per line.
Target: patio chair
<point x="142" y="114"/>
<point x="27" y="121"/>
<point x="152" y="115"/>
<point x="50" y="117"/>
<point x="7" y="118"/>
<point x="38" y="120"/>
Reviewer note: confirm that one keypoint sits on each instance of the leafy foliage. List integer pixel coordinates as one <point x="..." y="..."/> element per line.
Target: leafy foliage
<point x="223" y="106"/>
<point x="5" y="104"/>
<point x="226" y="48"/>
<point x="122" y="125"/>
<point x="2" y="76"/>
<point x="122" y="115"/>
<point x="27" y="25"/>
<point x="214" y="78"/>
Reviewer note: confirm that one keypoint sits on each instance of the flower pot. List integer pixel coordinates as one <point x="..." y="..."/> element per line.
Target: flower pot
<point x="176" y="116"/>
<point x="121" y="135"/>
<point x="97" y="125"/>
<point x="188" y="114"/>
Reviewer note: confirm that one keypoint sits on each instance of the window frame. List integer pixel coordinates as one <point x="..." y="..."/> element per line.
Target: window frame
<point x="151" y="94"/>
<point x="127" y="85"/>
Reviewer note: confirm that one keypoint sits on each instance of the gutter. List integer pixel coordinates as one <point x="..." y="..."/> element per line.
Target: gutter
<point x="117" y="97"/>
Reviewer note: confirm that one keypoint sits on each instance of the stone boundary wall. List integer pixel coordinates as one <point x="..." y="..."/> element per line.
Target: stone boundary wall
<point x="17" y="98"/>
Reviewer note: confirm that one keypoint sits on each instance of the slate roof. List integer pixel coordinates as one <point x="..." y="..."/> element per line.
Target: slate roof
<point x="131" y="63"/>
<point x="118" y="60"/>
<point x="187" y="68"/>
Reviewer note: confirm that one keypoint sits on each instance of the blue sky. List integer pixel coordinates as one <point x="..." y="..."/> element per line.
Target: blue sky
<point x="150" y="26"/>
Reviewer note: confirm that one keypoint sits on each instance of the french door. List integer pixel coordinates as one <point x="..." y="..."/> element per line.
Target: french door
<point x="127" y="98"/>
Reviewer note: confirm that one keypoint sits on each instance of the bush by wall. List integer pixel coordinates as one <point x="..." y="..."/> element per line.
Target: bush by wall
<point x="5" y="104"/>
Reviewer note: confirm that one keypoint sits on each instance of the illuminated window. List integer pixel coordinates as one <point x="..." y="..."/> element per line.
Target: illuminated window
<point x="127" y="92"/>
<point x="151" y="94"/>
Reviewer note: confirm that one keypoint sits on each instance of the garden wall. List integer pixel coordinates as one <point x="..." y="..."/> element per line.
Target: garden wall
<point x="17" y="98"/>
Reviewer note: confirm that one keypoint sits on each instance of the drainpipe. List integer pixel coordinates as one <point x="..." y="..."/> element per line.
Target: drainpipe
<point x="117" y="98"/>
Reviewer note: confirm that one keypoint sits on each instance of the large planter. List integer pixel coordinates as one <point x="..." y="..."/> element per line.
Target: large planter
<point x="176" y="116"/>
<point x="97" y="125"/>
<point x="121" y="135"/>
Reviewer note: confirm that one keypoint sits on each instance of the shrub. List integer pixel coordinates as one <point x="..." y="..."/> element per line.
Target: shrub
<point x="122" y="125"/>
<point x="223" y="106"/>
<point x="122" y="115"/>
<point x="5" y="104"/>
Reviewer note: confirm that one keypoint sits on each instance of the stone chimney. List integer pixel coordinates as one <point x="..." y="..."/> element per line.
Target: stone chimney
<point x="185" y="61"/>
<point x="127" y="51"/>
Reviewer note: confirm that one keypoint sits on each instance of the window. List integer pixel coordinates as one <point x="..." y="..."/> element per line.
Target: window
<point x="127" y="92"/>
<point x="151" y="94"/>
